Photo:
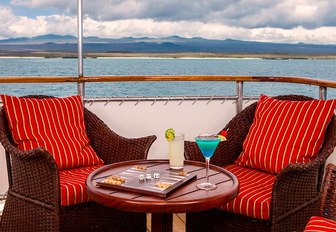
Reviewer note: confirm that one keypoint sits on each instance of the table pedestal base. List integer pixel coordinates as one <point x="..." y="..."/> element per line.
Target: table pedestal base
<point x="162" y="222"/>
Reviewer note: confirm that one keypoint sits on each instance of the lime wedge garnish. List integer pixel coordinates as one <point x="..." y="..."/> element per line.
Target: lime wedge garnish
<point x="222" y="138"/>
<point x="170" y="134"/>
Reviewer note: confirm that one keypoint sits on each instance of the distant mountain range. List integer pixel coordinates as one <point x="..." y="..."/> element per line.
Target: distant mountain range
<point x="172" y="44"/>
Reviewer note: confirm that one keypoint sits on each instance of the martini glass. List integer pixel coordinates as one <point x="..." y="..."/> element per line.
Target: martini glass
<point x="207" y="144"/>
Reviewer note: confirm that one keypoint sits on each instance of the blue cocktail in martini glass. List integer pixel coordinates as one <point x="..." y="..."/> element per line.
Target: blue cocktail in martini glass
<point x="207" y="144"/>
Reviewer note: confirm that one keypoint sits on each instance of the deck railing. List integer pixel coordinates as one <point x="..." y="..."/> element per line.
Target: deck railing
<point x="239" y="97"/>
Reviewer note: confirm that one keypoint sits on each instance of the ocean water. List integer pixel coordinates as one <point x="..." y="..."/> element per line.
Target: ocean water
<point x="320" y="69"/>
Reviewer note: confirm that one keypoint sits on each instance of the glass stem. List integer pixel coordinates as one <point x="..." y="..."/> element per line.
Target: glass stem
<point x="207" y="162"/>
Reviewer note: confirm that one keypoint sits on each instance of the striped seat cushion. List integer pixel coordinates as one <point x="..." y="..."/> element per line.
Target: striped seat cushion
<point x="73" y="189"/>
<point x="255" y="193"/>
<point x="320" y="224"/>
<point x="285" y="132"/>
<point x="57" y="124"/>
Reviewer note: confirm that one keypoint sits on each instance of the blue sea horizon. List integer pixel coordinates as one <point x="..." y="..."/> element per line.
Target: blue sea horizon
<point x="310" y="68"/>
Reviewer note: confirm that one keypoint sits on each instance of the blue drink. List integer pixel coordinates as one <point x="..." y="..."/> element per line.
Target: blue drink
<point x="208" y="144"/>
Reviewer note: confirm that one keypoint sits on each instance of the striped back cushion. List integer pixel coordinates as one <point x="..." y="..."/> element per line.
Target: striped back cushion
<point x="285" y="132"/>
<point x="57" y="124"/>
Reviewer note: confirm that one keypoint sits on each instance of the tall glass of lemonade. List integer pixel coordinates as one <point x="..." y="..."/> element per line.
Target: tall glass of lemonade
<point x="176" y="151"/>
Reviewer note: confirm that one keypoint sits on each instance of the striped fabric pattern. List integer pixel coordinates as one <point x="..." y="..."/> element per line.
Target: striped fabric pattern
<point x="255" y="193"/>
<point x="320" y="224"/>
<point x="57" y="124"/>
<point x="73" y="189"/>
<point x="285" y="132"/>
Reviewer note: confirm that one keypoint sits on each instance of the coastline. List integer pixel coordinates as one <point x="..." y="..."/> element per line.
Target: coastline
<point x="69" y="55"/>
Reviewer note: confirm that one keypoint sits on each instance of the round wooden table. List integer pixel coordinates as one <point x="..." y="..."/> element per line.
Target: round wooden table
<point x="185" y="198"/>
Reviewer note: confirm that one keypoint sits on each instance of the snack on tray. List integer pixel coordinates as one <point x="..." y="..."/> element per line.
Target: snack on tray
<point x="116" y="180"/>
<point x="163" y="185"/>
<point x="182" y="173"/>
<point x="111" y="181"/>
<point x="140" y="167"/>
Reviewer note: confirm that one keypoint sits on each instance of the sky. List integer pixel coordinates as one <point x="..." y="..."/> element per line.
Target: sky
<point x="280" y="21"/>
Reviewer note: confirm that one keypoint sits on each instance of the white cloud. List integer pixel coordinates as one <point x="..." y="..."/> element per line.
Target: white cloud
<point x="322" y="35"/>
<point x="21" y="26"/>
<point x="151" y="28"/>
<point x="258" y="13"/>
<point x="243" y="13"/>
<point x="305" y="11"/>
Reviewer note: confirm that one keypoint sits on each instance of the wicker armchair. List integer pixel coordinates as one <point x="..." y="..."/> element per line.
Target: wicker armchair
<point x="295" y="193"/>
<point x="33" y="201"/>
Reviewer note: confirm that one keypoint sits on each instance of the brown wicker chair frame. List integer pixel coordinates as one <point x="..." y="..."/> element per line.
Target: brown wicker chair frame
<point x="328" y="200"/>
<point x="33" y="201"/>
<point x="296" y="191"/>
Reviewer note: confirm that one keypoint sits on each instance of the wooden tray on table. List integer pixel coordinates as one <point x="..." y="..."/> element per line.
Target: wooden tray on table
<point x="128" y="180"/>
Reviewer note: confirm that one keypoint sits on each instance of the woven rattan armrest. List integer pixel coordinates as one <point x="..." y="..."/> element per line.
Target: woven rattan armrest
<point x="295" y="188"/>
<point x="328" y="199"/>
<point x="112" y="147"/>
<point x="32" y="171"/>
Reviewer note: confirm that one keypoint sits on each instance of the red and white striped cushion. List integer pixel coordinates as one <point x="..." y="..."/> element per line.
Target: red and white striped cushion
<point x="285" y="132"/>
<point x="73" y="188"/>
<point x="57" y="124"/>
<point x="255" y="193"/>
<point x="320" y="224"/>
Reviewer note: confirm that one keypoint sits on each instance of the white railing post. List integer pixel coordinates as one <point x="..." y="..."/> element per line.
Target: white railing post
<point x="240" y="96"/>
<point x="323" y="93"/>
<point x="80" y="85"/>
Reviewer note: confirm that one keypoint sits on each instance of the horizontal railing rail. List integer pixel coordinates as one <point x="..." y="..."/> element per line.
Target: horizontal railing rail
<point x="239" y="97"/>
<point x="136" y="78"/>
